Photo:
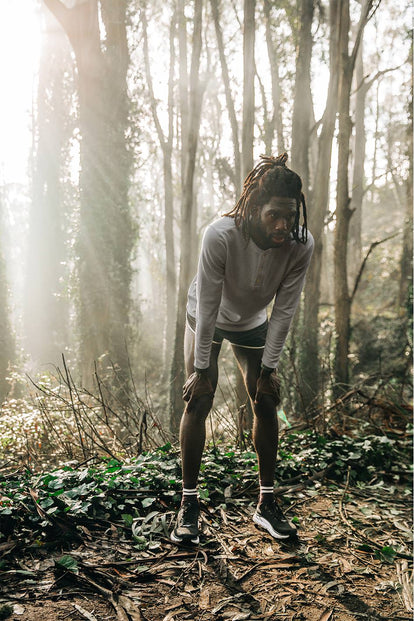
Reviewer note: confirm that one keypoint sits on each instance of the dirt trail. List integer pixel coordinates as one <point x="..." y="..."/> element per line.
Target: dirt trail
<point x="343" y="566"/>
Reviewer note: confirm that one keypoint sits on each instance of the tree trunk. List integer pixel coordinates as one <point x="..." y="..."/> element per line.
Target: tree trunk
<point x="106" y="232"/>
<point x="248" y="86"/>
<point x="343" y="210"/>
<point x="406" y="263"/>
<point x="277" y="118"/>
<point x="302" y="105"/>
<point x="187" y="215"/>
<point x="309" y="362"/>
<point x="229" y="99"/>
<point x="46" y="312"/>
<point x="358" y="177"/>
<point x="166" y="147"/>
<point x="7" y="342"/>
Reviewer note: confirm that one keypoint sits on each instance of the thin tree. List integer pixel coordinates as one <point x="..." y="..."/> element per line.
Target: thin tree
<point x="343" y="210"/>
<point x="229" y="98"/>
<point x="302" y="102"/>
<point x="189" y="147"/>
<point x="406" y="261"/>
<point x="7" y="340"/>
<point x="277" y="123"/>
<point x="106" y="232"/>
<point x="46" y="312"/>
<point x="166" y="143"/>
<point x="248" y="86"/>
<point x="309" y="362"/>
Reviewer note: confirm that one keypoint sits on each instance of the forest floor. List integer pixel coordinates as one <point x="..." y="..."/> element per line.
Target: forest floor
<point x="351" y="560"/>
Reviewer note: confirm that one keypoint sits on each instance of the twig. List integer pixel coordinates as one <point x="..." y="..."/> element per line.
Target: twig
<point x="85" y="613"/>
<point x="342" y="513"/>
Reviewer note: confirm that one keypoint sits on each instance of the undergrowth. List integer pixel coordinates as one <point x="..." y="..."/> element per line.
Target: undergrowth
<point x="41" y="507"/>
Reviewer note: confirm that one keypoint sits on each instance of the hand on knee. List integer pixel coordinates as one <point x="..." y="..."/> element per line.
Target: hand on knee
<point x="197" y="385"/>
<point x="268" y="386"/>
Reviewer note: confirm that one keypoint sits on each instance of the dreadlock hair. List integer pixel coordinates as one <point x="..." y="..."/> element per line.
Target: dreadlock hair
<point x="270" y="177"/>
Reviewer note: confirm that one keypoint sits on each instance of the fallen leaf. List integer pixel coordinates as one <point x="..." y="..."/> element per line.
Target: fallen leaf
<point x="204" y="600"/>
<point x="18" y="609"/>
<point x="326" y="616"/>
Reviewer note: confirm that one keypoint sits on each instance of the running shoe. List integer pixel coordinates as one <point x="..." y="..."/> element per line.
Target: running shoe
<point x="186" y="526"/>
<point x="270" y="516"/>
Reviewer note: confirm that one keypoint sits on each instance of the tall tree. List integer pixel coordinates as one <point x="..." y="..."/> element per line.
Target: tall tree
<point x="277" y="117"/>
<point x="46" y="313"/>
<point x="249" y="29"/>
<point x="195" y="98"/>
<point x="343" y="210"/>
<point x="166" y="143"/>
<point x="229" y="99"/>
<point x="106" y="231"/>
<point x="358" y="177"/>
<point x="318" y="207"/>
<point x="406" y="261"/>
<point x="302" y="103"/>
<point x="7" y="341"/>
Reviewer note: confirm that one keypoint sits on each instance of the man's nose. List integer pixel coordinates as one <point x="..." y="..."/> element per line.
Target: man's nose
<point x="281" y="224"/>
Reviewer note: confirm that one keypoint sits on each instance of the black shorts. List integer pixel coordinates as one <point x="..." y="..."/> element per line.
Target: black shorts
<point x="253" y="339"/>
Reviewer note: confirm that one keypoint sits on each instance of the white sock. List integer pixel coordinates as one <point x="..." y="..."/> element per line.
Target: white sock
<point x="190" y="493"/>
<point x="266" y="491"/>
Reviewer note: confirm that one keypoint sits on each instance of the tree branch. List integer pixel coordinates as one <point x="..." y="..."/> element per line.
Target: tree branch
<point x="366" y="15"/>
<point x="153" y="102"/>
<point x="364" y="262"/>
<point x="367" y="84"/>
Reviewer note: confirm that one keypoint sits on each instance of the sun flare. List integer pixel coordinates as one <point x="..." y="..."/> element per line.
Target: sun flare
<point x="20" y="36"/>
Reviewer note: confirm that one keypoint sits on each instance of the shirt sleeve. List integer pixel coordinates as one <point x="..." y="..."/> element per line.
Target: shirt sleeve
<point x="210" y="277"/>
<point x="286" y="301"/>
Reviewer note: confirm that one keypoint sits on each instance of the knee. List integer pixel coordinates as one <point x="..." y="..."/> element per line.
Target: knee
<point x="199" y="407"/>
<point x="266" y="408"/>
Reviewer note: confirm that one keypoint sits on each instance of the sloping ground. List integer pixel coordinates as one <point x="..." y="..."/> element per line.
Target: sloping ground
<point x="351" y="560"/>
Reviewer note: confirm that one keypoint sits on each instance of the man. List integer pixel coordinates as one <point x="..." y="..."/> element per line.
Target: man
<point x="255" y="254"/>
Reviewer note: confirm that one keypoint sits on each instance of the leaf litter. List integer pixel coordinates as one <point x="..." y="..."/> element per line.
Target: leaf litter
<point x="93" y="543"/>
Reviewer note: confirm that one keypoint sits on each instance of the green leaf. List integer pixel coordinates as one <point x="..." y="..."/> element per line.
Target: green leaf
<point x="387" y="554"/>
<point x="68" y="563"/>
<point x="128" y="519"/>
<point x="147" y="502"/>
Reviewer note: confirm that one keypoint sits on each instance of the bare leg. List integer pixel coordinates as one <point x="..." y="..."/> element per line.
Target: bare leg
<point x="265" y="424"/>
<point x="193" y="422"/>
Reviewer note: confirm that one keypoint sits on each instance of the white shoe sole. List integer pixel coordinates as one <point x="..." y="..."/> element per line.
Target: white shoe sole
<point x="260" y="521"/>
<point x="176" y="539"/>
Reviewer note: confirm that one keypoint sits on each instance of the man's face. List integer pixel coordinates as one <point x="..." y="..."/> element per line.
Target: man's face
<point x="274" y="222"/>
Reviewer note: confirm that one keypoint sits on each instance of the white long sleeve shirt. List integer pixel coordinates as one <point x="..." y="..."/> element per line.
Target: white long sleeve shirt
<point x="235" y="283"/>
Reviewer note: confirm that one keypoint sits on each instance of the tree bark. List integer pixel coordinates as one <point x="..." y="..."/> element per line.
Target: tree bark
<point x="318" y="207"/>
<point x="358" y="176"/>
<point x="46" y="311"/>
<point x="248" y="86"/>
<point x="106" y="231"/>
<point x="187" y="216"/>
<point x="166" y="143"/>
<point x="406" y="262"/>
<point x="343" y="210"/>
<point x="229" y="99"/>
<point x="302" y="105"/>
<point x="277" y="117"/>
